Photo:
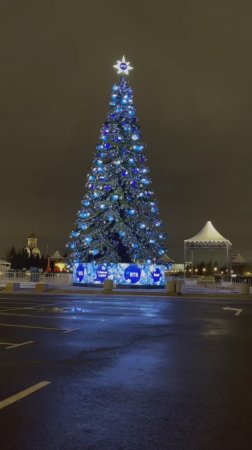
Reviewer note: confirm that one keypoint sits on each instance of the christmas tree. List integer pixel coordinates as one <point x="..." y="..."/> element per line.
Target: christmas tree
<point x="119" y="219"/>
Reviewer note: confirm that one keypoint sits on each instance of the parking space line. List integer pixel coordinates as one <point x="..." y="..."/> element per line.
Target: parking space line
<point x="13" y="345"/>
<point x="70" y="330"/>
<point x="14" y="398"/>
<point x="43" y="316"/>
<point x="24" y="304"/>
<point x="32" y="326"/>
<point x="20" y="302"/>
<point x="8" y="308"/>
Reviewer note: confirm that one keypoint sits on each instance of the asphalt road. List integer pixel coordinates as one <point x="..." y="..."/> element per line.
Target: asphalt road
<point x="125" y="373"/>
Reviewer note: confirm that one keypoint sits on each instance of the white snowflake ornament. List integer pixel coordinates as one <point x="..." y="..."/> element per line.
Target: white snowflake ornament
<point x="123" y="66"/>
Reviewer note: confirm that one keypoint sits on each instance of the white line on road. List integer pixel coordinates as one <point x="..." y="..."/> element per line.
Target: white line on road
<point x="43" y="316"/>
<point x="32" y="326"/>
<point x="13" y="345"/>
<point x="238" y="311"/>
<point x="14" y="398"/>
<point x="70" y="330"/>
<point x="18" y="301"/>
<point x="8" y="308"/>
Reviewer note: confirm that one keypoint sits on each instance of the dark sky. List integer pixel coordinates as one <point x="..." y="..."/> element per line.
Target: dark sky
<point x="192" y="90"/>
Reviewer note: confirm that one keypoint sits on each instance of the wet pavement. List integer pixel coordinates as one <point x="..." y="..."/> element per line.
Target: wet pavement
<point x="125" y="373"/>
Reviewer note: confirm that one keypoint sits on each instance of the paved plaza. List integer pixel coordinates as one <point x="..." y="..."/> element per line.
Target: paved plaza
<point x="125" y="372"/>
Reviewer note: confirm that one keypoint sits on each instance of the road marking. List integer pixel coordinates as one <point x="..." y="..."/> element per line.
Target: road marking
<point x="70" y="330"/>
<point x="8" y="308"/>
<point x="22" y="304"/>
<point x="14" y="398"/>
<point x="64" y="316"/>
<point x="15" y="302"/>
<point x="237" y="310"/>
<point x="13" y="345"/>
<point x="44" y="315"/>
<point x="41" y="316"/>
<point x="32" y="326"/>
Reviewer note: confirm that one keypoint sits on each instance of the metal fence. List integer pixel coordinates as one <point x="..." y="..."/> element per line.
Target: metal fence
<point x="35" y="277"/>
<point x="207" y="285"/>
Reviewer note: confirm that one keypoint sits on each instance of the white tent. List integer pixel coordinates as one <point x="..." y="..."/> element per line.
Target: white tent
<point x="166" y="259"/>
<point x="238" y="259"/>
<point x="4" y="265"/>
<point x="56" y="256"/>
<point x="207" y="238"/>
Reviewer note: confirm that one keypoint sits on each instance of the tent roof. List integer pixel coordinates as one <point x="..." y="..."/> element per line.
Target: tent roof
<point x="208" y="237"/>
<point x="238" y="259"/>
<point x="56" y="255"/>
<point x="166" y="259"/>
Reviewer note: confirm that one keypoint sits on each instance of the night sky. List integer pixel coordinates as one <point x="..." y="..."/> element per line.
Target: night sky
<point x="192" y="91"/>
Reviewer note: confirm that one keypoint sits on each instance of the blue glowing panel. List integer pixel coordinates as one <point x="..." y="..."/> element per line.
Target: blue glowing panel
<point x="80" y="273"/>
<point x="122" y="274"/>
<point x="156" y="275"/>
<point x="101" y="273"/>
<point x="132" y="274"/>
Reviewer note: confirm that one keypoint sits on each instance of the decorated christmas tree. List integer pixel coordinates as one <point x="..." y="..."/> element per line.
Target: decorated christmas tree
<point x="119" y="219"/>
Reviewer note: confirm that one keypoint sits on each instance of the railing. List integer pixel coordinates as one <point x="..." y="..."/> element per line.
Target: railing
<point x="58" y="278"/>
<point x="206" y="285"/>
<point x="200" y="285"/>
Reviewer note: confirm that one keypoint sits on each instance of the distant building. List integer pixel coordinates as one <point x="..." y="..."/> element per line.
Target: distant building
<point x="4" y="265"/>
<point x="32" y="246"/>
<point x="239" y="265"/>
<point x="58" y="261"/>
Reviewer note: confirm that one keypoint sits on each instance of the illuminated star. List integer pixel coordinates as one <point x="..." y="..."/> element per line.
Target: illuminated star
<point x="123" y="66"/>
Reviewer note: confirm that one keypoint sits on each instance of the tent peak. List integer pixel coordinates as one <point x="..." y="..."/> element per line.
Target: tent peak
<point x="208" y="236"/>
<point x="56" y="255"/>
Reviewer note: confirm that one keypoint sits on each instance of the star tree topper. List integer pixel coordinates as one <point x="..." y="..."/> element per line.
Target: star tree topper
<point x="123" y="66"/>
